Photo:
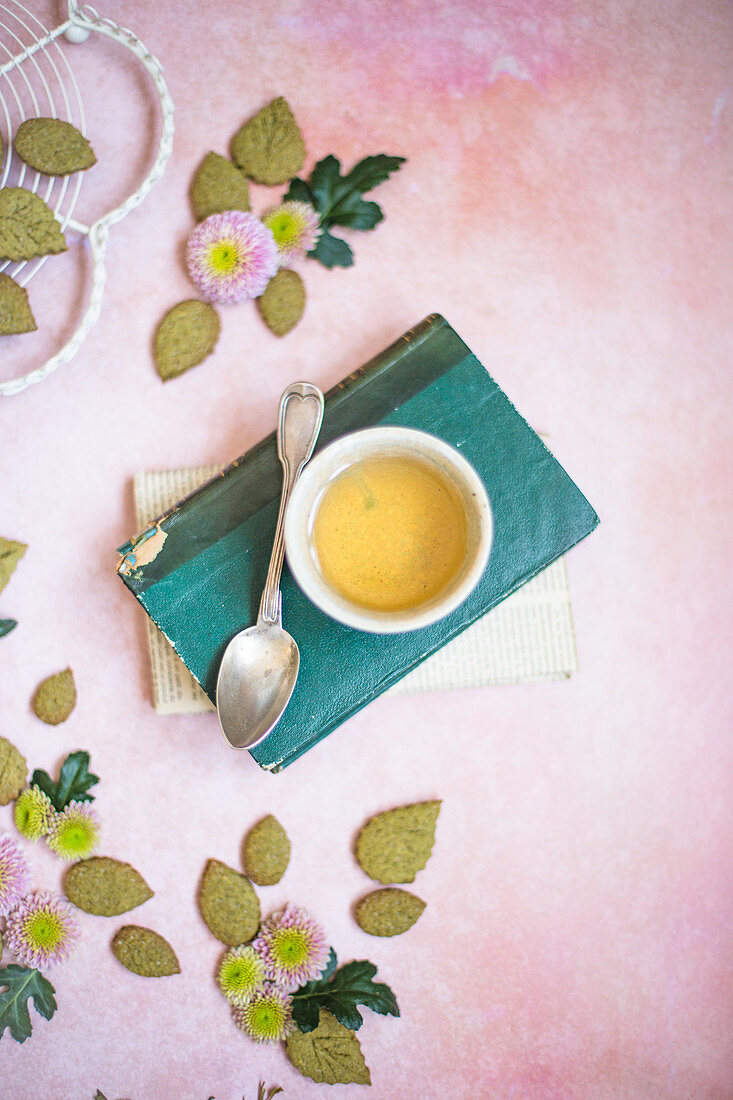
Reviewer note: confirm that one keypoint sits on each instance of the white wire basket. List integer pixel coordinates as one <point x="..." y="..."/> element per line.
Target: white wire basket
<point x="37" y="81"/>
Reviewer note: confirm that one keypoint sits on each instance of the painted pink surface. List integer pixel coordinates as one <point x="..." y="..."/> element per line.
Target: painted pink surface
<point x="566" y="205"/>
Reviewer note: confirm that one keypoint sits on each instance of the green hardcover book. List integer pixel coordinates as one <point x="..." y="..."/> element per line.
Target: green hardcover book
<point x="200" y="569"/>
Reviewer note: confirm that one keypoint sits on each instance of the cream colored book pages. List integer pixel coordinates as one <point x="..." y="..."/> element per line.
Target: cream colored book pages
<point x="175" y="691"/>
<point x="529" y="636"/>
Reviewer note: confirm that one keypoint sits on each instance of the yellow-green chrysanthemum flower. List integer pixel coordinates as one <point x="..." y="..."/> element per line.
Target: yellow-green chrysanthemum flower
<point x="267" y="1017"/>
<point x="74" y="833"/>
<point x="296" y="229"/>
<point x="241" y="975"/>
<point x="33" y="813"/>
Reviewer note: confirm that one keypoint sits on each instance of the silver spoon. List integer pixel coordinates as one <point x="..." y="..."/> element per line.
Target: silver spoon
<point x="260" y="664"/>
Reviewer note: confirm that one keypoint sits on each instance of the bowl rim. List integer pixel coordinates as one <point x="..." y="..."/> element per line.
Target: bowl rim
<point x="331" y="460"/>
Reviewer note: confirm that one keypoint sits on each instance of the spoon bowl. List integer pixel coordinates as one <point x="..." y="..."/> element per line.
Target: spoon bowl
<point x="256" y="679"/>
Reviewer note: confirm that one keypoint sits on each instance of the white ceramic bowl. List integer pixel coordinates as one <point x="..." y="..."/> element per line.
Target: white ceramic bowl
<point x="385" y="442"/>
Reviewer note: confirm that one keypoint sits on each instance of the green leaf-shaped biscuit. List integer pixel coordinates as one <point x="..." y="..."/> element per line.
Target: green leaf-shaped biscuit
<point x="13" y="772"/>
<point x="53" y="147"/>
<point x="393" y="846"/>
<point x="283" y="302"/>
<point x="105" y="887"/>
<point x="266" y="852"/>
<point x="218" y="186"/>
<point x="55" y="698"/>
<point x="10" y="554"/>
<point x="145" y="952"/>
<point x="331" y="1054"/>
<point x="28" y="227"/>
<point x="185" y="337"/>
<point x="15" y="311"/>
<point x="270" y="148"/>
<point x="388" y="912"/>
<point x="228" y="904"/>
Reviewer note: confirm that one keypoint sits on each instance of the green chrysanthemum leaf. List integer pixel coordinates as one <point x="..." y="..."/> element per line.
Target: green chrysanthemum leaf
<point x="18" y="986"/>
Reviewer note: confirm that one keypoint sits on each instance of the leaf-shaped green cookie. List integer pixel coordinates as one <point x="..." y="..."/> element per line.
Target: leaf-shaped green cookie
<point x="331" y="1054"/>
<point x="53" y="147"/>
<point x="283" y="302"/>
<point x="270" y="148"/>
<point x="28" y="227"/>
<point x="10" y="554"/>
<point x="55" y="698"/>
<point x="15" y="311"/>
<point x="228" y="904"/>
<point x="105" y="887"/>
<point x="393" y="846"/>
<point x="388" y="912"/>
<point x="145" y="952"/>
<point x="266" y="852"/>
<point x="218" y="186"/>
<point x="185" y="337"/>
<point x="13" y="772"/>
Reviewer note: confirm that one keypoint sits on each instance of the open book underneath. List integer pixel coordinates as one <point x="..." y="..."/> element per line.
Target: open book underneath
<point x="529" y="636"/>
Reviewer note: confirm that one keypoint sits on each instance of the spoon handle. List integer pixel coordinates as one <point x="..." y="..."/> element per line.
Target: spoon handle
<point x="299" y="422"/>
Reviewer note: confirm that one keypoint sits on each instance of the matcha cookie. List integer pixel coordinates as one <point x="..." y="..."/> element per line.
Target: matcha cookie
<point x="185" y="337"/>
<point x="283" y="302"/>
<point x="55" y="698"/>
<point x="15" y="311"/>
<point x="228" y="904"/>
<point x="270" y="147"/>
<point x="144" y="952"/>
<point x="330" y="1055"/>
<point x="266" y="852"/>
<point x="105" y="887"/>
<point x="388" y="912"/>
<point x="28" y="228"/>
<point x="393" y="846"/>
<point x="53" y="147"/>
<point x="218" y="186"/>
<point x="13" y="772"/>
<point x="10" y="554"/>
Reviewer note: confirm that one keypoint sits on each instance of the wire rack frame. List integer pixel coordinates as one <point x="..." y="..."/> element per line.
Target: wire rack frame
<point x="36" y="80"/>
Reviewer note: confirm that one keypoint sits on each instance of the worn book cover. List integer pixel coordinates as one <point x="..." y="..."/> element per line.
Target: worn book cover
<point x="200" y="568"/>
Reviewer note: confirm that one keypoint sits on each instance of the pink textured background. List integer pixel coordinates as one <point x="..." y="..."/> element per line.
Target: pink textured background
<point x="566" y="205"/>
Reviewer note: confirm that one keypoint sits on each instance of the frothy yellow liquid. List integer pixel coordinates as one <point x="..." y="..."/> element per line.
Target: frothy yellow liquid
<point x="390" y="533"/>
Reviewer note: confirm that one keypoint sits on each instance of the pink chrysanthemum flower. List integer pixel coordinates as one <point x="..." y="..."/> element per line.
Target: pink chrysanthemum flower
<point x="41" y="931"/>
<point x="293" y="946"/>
<point x="13" y="874"/>
<point x="231" y="256"/>
<point x="267" y="1017"/>
<point x="296" y="228"/>
<point x="74" y="833"/>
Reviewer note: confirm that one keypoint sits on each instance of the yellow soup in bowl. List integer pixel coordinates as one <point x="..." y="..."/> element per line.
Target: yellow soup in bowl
<point x="390" y="533"/>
